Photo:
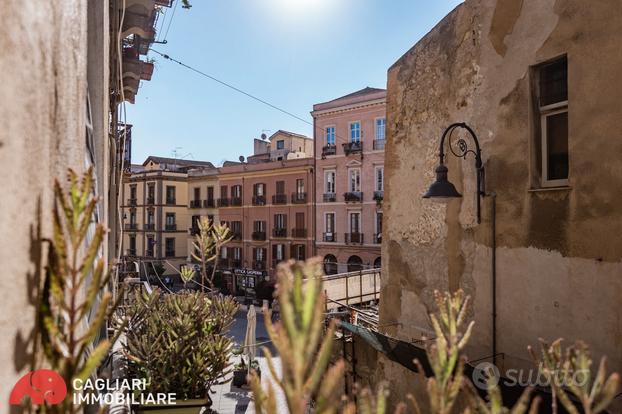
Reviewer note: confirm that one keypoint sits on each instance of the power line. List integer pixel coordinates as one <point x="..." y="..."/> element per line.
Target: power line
<point x="170" y="22"/>
<point x="228" y="85"/>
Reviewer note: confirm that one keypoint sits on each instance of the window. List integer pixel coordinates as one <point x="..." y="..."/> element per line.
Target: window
<point x="150" y="217"/>
<point x="260" y="255"/>
<point x="553" y="107"/>
<point x="380" y="128"/>
<point x="169" y="246"/>
<point x="280" y="144"/>
<point x="223" y="252"/>
<point x="132" y="216"/>
<point x="236" y="191"/>
<point x="259" y="226"/>
<point x="133" y="192"/>
<point x="355" y="222"/>
<point x="223" y="191"/>
<point x="210" y="193"/>
<point x="378" y="236"/>
<point x="298" y="252"/>
<point x="300" y="220"/>
<point x="300" y="186"/>
<point x="170" y="194"/>
<point x="280" y="187"/>
<point x="236" y="227"/>
<point x="195" y="221"/>
<point x="330" y="264"/>
<point x="354" y="180"/>
<point x="150" y="245"/>
<point x="151" y="192"/>
<point x="330" y="135"/>
<point x="280" y="221"/>
<point x="329" y="223"/>
<point x="170" y="219"/>
<point x="379" y="185"/>
<point x="197" y="193"/>
<point x="132" y="245"/>
<point x="355" y="264"/>
<point x="329" y="181"/>
<point x="278" y="252"/>
<point x="355" y="132"/>
<point x="259" y="189"/>
<point x="237" y="253"/>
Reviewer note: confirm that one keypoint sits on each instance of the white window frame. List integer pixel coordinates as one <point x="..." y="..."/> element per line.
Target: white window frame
<point x="350" y="188"/>
<point x="360" y="220"/>
<point x="326" y="181"/>
<point x="360" y="131"/>
<point x="237" y="253"/>
<point x="545" y="112"/>
<point x="223" y="252"/>
<point x="376" y="169"/>
<point x="326" y="213"/>
<point x="332" y="135"/>
<point x="280" y="251"/>
<point x="384" y="128"/>
<point x="376" y="213"/>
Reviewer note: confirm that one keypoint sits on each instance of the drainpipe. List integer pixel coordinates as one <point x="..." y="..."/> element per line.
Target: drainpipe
<point x="494" y="276"/>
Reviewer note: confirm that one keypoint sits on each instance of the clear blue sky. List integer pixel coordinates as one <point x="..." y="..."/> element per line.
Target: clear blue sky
<point x="292" y="53"/>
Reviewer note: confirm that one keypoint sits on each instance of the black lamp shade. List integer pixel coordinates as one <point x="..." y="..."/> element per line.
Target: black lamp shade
<point x="442" y="188"/>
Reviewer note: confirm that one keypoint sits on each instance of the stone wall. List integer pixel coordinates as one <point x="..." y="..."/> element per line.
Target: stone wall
<point x="42" y="107"/>
<point x="558" y="252"/>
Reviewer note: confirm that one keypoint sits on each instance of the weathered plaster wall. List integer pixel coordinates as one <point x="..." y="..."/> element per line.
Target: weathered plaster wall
<point x="42" y="106"/>
<point x="559" y="252"/>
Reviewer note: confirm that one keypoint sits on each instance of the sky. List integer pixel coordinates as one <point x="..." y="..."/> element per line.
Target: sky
<point x="291" y="53"/>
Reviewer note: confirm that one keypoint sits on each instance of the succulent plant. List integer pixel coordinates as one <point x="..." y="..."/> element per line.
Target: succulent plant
<point x="75" y="302"/>
<point x="178" y="342"/>
<point x="207" y="245"/>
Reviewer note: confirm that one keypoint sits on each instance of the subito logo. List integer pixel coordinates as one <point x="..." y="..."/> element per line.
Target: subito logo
<point x="485" y="375"/>
<point x="42" y="385"/>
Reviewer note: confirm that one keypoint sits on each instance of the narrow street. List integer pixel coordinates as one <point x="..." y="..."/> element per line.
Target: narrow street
<point x="228" y="398"/>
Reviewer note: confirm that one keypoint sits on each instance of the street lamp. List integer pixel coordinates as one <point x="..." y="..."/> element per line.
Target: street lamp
<point x="442" y="188"/>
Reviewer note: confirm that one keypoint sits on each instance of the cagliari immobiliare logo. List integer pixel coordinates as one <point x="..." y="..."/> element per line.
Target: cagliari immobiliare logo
<point x="45" y="386"/>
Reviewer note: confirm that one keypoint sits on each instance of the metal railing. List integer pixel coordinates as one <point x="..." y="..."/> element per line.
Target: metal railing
<point x="330" y="149"/>
<point x="149" y="227"/>
<point x="279" y="232"/>
<point x="354" y="238"/>
<point x="330" y="197"/>
<point x="170" y="227"/>
<point x="223" y="202"/>
<point x="352" y="288"/>
<point x="299" y="198"/>
<point x="299" y="233"/>
<point x="353" y="147"/>
<point x="259" y="200"/>
<point x="209" y="203"/>
<point x="353" y="196"/>
<point x="329" y="237"/>
<point x="279" y="199"/>
<point x="259" y="235"/>
<point x="195" y="203"/>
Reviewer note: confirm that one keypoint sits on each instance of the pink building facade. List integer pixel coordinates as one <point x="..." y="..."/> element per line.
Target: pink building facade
<point x="349" y="179"/>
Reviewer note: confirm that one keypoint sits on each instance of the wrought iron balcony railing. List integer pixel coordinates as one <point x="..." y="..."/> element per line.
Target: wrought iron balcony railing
<point x="299" y="198"/>
<point x="209" y="203"/>
<point x="353" y="197"/>
<point x="279" y="199"/>
<point x="170" y="227"/>
<point x="354" y="238"/>
<point x="377" y="238"/>
<point x="259" y="200"/>
<point x="330" y="197"/>
<point x="299" y="233"/>
<point x="236" y="201"/>
<point x="131" y="201"/>
<point x="195" y="203"/>
<point x="149" y="227"/>
<point x="330" y="149"/>
<point x="259" y="235"/>
<point x="279" y="232"/>
<point x="194" y="230"/>
<point x="131" y="226"/>
<point x="378" y="196"/>
<point x="223" y="202"/>
<point x="329" y="237"/>
<point x="353" y="147"/>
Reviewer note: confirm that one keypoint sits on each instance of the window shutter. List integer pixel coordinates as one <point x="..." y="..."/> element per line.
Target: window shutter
<point x="274" y="251"/>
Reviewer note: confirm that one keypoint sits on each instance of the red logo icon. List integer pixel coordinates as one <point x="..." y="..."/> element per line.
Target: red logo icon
<point x="40" y="385"/>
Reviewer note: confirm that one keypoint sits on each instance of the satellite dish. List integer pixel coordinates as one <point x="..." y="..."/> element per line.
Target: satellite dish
<point x="241" y="158"/>
<point x="264" y="136"/>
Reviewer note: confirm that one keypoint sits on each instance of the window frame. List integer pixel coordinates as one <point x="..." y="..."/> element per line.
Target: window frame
<point x="360" y="184"/>
<point x="334" y="182"/>
<point x="376" y="169"/>
<point x="360" y="221"/>
<point x="384" y="128"/>
<point x="326" y="214"/>
<point x="333" y="135"/>
<point x="360" y="131"/>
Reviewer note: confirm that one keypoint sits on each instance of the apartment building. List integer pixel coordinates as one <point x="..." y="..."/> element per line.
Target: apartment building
<point x="203" y="195"/>
<point x="267" y="204"/>
<point x="349" y="181"/>
<point x="156" y="214"/>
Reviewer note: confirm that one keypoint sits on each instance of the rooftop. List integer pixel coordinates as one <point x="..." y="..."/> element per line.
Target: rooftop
<point x="363" y="95"/>
<point x="178" y="162"/>
<point x="288" y="133"/>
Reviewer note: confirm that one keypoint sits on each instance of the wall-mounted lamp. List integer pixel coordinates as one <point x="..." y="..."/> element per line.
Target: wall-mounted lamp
<point x="442" y="187"/>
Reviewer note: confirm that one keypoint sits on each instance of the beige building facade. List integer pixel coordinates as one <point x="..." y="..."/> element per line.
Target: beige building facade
<point x="537" y="82"/>
<point x="349" y="180"/>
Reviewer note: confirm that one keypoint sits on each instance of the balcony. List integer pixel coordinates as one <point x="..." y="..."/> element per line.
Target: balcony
<point x="329" y="237"/>
<point x="131" y="227"/>
<point x="236" y="201"/>
<point x="209" y="203"/>
<point x="377" y="238"/>
<point x="150" y="200"/>
<point x="353" y="197"/>
<point x="354" y="238"/>
<point x="170" y="227"/>
<point x="299" y="233"/>
<point x="149" y="253"/>
<point x="195" y="203"/>
<point x="329" y="150"/>
<point x="194" y="230"/>
<point x="169" y="253"/>
<point x="299" y="198"/>
<point x="237" y="235"/>
<point x="259" y="265"/>
<point x="131" y="201"/>
<point x="330" y="197"/>
<point x="259" y="200"/>
<point x="379" y="144"/>
<point x="350" y="148"/>
<point x="378" y="196"/>
<point x="279" y="199"/>
<point x="236" y="263"/>
<point x="259" y="235"/>
<point x="171" y="201"/>
<point x="130" y="252"/>
<point x="149" y="227"/>
<point x="223" y="202"/>
<point x="282" y="232"/>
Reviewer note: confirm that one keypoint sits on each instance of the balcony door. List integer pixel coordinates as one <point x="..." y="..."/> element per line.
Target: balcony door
<point x="355" y="223"/>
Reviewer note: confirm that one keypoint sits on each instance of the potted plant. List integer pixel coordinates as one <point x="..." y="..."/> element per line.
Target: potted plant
<point x="178" y="344"/>
<point x="241" y="370"/>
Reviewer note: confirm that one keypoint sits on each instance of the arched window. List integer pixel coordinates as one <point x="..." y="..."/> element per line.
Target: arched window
<point x="355" y="264"/>
<point x="378" y="263"/>
<point x="330" y="264"/>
